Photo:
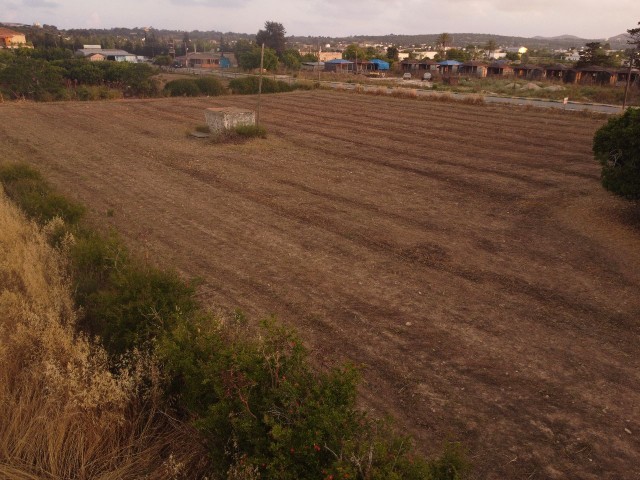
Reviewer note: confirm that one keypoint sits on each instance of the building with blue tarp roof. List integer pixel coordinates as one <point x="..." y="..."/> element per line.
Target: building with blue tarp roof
<point x="379" y="64"/>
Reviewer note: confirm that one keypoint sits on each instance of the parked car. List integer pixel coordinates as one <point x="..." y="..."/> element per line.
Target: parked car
<point x="406" y="76"/>
<point x="426" y="76"/>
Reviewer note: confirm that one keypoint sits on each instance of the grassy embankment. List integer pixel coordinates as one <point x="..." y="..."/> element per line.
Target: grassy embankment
<point x="81" y="408"/>
<point x="66" y="412"/>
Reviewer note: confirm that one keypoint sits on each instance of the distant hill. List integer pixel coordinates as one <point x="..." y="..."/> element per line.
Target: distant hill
<point x="458" y="39"/>
<point x="464" y="39"/>
<point x="558" y="37"/>
<point x="619" y="39"/>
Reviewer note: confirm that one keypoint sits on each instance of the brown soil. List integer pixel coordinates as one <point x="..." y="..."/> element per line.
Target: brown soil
<point x="466" y="256"/>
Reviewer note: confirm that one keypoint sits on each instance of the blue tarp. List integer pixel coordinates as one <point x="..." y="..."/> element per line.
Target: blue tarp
<point x="450" y="62"/>
<point x="380" y="64"/>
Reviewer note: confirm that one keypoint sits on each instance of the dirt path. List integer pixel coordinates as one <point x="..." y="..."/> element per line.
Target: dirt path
<point x="465" y="256"/>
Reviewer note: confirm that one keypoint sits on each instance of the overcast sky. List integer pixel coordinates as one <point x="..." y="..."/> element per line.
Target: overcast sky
<point x="584" y="18"/>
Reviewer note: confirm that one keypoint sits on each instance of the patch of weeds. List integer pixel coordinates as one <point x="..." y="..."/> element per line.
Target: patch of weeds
<point x="26" y="187"/>
<point x="452" y="464"/>
<point x="251" y="131"/>
<point x="239" y="134"/>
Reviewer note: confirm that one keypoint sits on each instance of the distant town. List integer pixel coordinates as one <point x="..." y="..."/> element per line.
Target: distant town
<point x="447" y="58"/>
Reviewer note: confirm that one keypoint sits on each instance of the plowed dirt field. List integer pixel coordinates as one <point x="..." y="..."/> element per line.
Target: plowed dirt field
<point x="466" y="256"/>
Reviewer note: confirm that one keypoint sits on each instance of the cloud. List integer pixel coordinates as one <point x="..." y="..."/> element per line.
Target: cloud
<point x="497" y="6"/>
<point x="40" y="4"/>
<point x="94" y="21"/>
<point x="212" y="3"/>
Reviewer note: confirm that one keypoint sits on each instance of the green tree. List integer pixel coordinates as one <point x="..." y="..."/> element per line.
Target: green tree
<point x="250" y="59"/>
<point x="458" y="54"/>
<point x="512" y="56"/>
<point x="243" y="46"/>
<point x="634" y="42"/>
<point x="162" y="60"/>
<point x="444" y="40"/>
<point x="616" y="146"/>
<point x="594" y="55"/>
<point x="473" y="51"/>
<point x="186" y="43"/>
<point x="292" y="59"/>
<point x="490" y="47"/>
<point x="273" y="36"/>
<point x="392" y="53"/>
<point x="354" y="51"/>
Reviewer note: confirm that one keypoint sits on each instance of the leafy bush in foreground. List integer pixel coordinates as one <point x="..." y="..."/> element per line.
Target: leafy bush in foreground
<point x="287" y="420"/>
<point x="617" y="146"/>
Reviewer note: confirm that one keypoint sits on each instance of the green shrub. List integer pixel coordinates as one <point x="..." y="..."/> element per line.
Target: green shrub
<point x="24" y="77"/>
<point x="452" y="464"/>
<point x="190" y="87"/>
<point x="86" y="73"/>
<point x="86" y="93"/>
<point x="210" y="86"/>
<point x="239" y="134"/>
<point x="38" y="200"/>
<point x="131" y="304"/>
<point x="617" y="146"/>
<point x="251" y="131"/>
<point x="183" y="87"/>
<point x="91" y="93"/>
<point x="249" y="85"/>
<point x="287" y="419"/>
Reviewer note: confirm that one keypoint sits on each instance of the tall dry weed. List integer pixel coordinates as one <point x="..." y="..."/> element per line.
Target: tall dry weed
<point x="64" y="413"/>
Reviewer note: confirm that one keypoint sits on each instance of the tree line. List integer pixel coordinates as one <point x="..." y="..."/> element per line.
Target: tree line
<point x="46" y="74"/>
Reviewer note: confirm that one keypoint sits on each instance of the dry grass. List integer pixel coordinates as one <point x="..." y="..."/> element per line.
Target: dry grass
<point x="412" y="93"/>
<point x="64" y="413"/>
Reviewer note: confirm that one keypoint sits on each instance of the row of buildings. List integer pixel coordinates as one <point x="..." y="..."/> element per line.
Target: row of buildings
<point x="558" y="72"/>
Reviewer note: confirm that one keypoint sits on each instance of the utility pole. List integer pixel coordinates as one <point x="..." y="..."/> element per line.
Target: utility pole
<point x="632" y="57"/>
<point x="318" y="62"/>
<point x="260" y="84"/>
<point x="356" y="71"/>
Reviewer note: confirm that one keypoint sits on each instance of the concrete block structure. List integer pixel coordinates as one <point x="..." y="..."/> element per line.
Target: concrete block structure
<point x="226" y="118"/>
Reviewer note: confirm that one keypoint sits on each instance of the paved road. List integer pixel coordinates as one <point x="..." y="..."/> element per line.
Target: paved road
<point x="575" y="106"/>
